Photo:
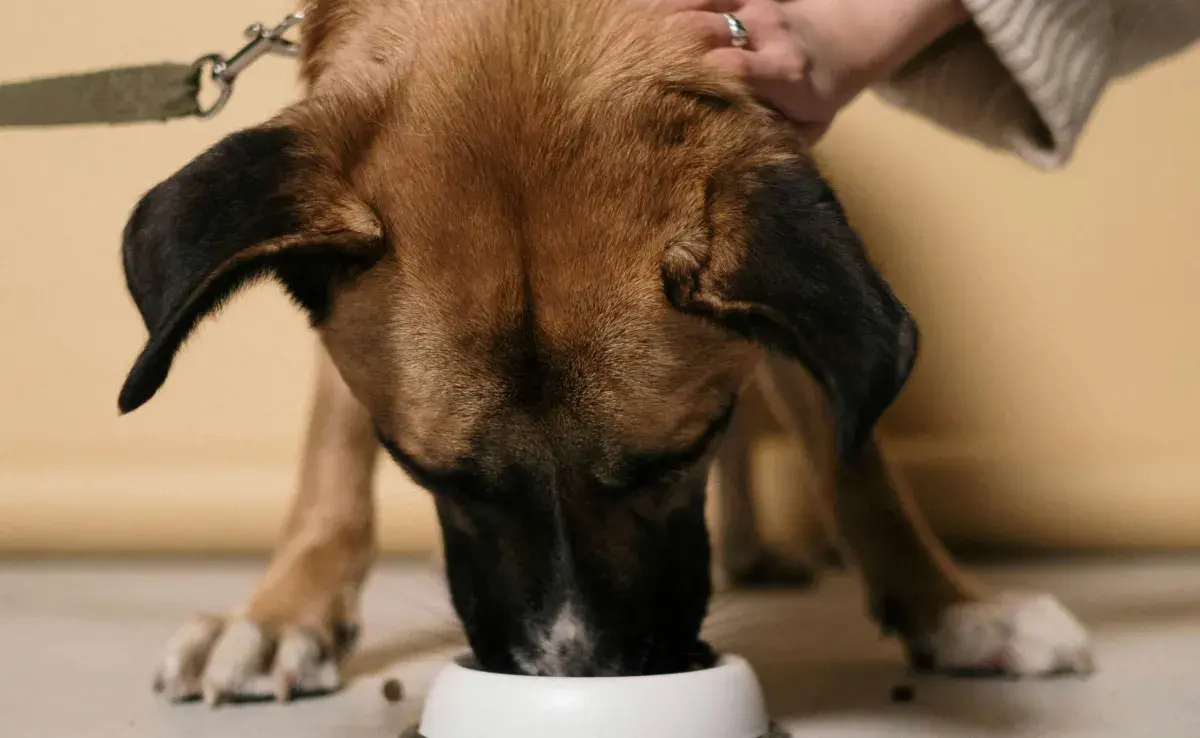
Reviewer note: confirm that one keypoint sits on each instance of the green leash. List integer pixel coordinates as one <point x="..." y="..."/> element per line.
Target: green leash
<point x="128" y="95"/>
<point x="155" y="92"/>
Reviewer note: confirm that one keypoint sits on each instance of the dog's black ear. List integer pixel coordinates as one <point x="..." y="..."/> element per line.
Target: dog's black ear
<point x="263" y="201"/>
<point x="781" y="266"/>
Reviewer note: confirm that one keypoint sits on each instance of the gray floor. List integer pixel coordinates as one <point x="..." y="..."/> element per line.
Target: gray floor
<point x="78" y="642"/>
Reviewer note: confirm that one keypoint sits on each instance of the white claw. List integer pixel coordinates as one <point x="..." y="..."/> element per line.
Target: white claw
<point x="236" y="657"/>
<point x="187" y="654"/>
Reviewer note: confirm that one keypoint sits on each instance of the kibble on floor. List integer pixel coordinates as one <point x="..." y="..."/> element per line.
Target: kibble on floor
<point x="903" y="693"/>
<point x="393" y="690"/>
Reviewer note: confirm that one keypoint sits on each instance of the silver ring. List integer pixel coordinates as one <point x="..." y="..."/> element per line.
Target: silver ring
<point x="738" y="35"/>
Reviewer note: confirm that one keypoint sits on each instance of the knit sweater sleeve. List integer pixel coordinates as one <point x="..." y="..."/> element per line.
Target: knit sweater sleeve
<point x="1026" y="75"/>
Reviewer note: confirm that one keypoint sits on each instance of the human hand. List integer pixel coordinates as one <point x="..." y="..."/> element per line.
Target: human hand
<point x="810" y="58"/>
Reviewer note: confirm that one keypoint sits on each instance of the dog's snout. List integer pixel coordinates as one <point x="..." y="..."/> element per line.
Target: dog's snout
<point x="551" y="595"/>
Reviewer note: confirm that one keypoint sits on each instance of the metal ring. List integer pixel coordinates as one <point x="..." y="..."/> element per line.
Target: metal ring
<point x="223" y="71"/>
<point x="739" y="37"/>
<point x="216" y="64"/>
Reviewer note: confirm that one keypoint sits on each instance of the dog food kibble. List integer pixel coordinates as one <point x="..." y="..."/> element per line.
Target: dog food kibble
<point x="393" y="691"/>
<point x="903" y="693"/>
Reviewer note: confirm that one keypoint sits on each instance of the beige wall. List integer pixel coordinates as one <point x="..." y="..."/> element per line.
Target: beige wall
<point x="1054" y="404"/>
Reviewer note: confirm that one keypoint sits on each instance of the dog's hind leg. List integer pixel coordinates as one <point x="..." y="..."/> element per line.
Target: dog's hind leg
<point x="744" y="558"/>
<point x="302" y="618"/>
<point x="949" y="621"/>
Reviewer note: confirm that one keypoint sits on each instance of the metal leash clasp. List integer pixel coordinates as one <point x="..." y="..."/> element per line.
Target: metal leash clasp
<point x="224" y="72"/>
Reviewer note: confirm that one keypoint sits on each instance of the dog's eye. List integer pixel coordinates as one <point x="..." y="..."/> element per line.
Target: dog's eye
<point x="461" y="486"/>
<point x="653" y="471"/>
<point x="656" y="470"/>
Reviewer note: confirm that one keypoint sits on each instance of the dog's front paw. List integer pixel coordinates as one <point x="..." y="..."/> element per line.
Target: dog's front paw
<point x="1013" y="634"/>
<point x="234" y="659"/>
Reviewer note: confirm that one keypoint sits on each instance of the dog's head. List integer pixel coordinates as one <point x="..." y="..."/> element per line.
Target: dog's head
<point x="546" y="263"/>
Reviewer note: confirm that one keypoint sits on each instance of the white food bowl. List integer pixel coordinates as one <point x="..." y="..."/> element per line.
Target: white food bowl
<point x="724" y="701"/>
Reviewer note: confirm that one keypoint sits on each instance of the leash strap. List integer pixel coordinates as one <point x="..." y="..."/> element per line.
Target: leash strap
<point x="157" y="92"/>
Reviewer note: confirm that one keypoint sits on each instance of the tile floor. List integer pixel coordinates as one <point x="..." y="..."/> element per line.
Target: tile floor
<point x="78" y="642"/>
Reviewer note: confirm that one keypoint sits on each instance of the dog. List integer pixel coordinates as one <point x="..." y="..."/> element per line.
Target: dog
<point x="545" y="249"/>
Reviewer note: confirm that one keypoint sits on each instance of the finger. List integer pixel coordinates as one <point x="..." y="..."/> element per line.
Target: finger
<point x="771" y="64"/>
<point x="767" y="78"/>
<point x="752" y="65"/>
<point x="737" y="62"/>
<point x="766" y="26"/>
<point x="779" y="62"/>
<point x="712" y="28"/>
<point x="710" y="6"/>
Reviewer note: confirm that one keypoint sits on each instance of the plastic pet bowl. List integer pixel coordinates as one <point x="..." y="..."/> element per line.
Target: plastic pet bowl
<point x="724" y="701"/>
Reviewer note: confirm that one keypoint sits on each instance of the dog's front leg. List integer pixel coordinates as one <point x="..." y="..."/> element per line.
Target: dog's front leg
<point x="302" y="618"/>
<point x="949" y="621"/>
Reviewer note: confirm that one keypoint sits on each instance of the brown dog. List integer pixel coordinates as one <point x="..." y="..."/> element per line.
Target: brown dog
<point x="545" y="248"/>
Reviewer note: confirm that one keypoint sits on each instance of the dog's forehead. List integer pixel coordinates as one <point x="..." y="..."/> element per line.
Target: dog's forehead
<point x="529" y="274"/>
<point x="477" y="354"/>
